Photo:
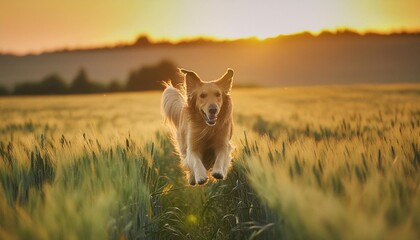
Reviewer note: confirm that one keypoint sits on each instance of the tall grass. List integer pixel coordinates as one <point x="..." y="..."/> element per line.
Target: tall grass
<point x="353" y="175"/>
<point x="318" y="163"/>
<point x="52" y="193"/>
<point x="94" y="167"/>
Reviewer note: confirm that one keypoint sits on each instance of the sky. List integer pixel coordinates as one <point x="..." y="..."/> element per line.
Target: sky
<point x="33" y="26"/>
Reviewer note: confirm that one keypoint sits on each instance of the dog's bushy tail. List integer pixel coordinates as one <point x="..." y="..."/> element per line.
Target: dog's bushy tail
<point x="171" y="104"/>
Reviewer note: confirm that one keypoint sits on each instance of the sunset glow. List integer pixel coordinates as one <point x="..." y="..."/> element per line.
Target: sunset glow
<point x="34" y="26"/>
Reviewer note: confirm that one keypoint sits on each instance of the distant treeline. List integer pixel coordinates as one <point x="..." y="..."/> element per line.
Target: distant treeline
<point x="143" y="41"/>
<point x="142" y="79"/>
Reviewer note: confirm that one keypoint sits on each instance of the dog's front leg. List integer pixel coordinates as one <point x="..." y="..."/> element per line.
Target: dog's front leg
<point x="223" y="158"/>
<point x="199" y="172"/>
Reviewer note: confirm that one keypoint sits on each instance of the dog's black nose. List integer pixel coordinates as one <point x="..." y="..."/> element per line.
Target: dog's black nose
<point x="213" y="109"/>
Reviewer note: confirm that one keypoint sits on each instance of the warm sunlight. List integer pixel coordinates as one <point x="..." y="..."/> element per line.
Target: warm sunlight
<point x="209" y="119"/>
<point x="27" y="26"/>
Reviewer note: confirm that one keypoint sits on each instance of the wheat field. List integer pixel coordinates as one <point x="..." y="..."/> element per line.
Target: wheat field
<point x="336" y="162"/>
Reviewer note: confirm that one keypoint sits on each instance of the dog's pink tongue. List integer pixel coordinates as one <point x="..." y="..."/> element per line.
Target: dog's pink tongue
<point x="212" y="117"/>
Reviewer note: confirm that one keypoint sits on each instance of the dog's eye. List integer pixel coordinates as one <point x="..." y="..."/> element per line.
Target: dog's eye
<point x="217" y="94"/>
<point x="203" y="95"/>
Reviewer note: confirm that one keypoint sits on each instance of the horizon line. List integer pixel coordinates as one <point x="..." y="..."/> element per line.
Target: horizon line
<point x="148" y="40"/>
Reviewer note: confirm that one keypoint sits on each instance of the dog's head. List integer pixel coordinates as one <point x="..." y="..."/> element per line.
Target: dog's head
<point x="207" y="97"/>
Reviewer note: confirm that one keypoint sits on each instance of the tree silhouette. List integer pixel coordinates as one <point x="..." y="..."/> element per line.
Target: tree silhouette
<point x="143" y="79"/>
<point x="114" y="86"/>
<point x="142" y="40"/>
<point x="4" y="91"/>
<point x="151" y="77"/>
<point x="26" y="88"/>
<point x="82" y="85"/>
<point x="51" y="84"/>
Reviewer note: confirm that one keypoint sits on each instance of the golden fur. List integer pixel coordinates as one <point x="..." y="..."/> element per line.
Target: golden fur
<point x="200" y="117"/>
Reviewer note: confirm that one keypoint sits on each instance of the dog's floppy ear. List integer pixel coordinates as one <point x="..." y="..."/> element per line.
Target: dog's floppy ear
<point x="226" y="81"/>
<point x="192" y="81"/>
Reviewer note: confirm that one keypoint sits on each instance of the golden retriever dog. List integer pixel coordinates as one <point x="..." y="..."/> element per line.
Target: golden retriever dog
<point x="200" y="117"/>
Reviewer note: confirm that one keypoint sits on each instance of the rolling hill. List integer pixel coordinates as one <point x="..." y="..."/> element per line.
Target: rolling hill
<point x="295" y="60"/>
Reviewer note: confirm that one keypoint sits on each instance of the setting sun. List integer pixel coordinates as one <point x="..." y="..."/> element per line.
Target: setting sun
<point x="27" y="26"/>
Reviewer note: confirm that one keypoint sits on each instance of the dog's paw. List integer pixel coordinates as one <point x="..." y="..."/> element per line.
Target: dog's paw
<point x="191" y="180"/>
<point x="202" y="180"/>
<point x="200" y="174"/>
<point x="217" y="175"/>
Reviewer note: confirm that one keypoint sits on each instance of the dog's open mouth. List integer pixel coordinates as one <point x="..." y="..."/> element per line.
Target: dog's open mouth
<point x="209" y="119"/>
